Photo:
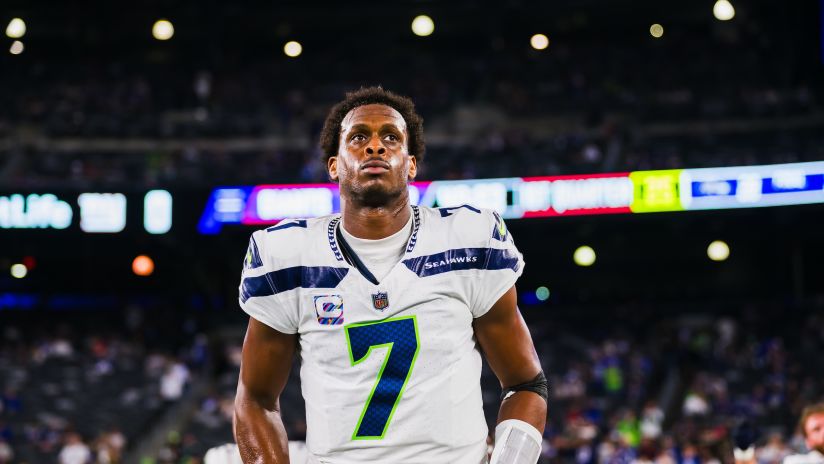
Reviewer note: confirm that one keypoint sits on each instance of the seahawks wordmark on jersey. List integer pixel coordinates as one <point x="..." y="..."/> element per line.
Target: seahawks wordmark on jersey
<point x="390" y="370"/>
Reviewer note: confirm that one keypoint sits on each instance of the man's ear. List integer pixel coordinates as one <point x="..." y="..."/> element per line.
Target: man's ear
<point x="332" y="167"/>
<point x="413" y="167"/>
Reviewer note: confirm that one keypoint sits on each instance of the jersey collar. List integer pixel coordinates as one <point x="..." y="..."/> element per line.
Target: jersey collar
<point x="343" y="252"/>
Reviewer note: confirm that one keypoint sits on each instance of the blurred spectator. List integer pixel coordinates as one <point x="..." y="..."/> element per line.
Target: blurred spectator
<point x="774" y="451"/>
<point x="695" y="404"/>
<point x="174" y="379"/>
<point x="74" y="451"/>
<point x="109" y="447"/>
<point x="11" y="401"/>
<point x="6" y="453"/>
<point x="652" y="421"/>
<point x="627" y="429"/>
<point x="812" y="428"/>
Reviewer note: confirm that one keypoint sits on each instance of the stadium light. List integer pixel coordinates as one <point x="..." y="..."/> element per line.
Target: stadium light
<point x="163" y="29"/>
<point x="656" y="30"/>
<point x="143" y="266"/>
<point x="539" y="41"/>
<point x="293" y="49"/>
<point x="584" y="256"/>
<point x="723" y="10"/>
<point x="16" y="28"/>
<point x="718" y="251"/>
<point x="18" y="271"/>
<point x="423" y="26"/>
<point x="16" y="47"/>
<point x="542" y="293"/>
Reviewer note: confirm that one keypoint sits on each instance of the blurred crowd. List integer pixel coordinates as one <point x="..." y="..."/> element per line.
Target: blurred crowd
<point x="80" y="395"/>
<point x="727" y="382"/>
<point x="684" y="389"/>
<point x="687" y="389"/>
<point x="575" y="108"/>
<point x="511" y="154"/>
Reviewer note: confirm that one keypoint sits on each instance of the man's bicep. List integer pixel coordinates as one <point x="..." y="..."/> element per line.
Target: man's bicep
<point x="267" y="360"/>
<point x="506" y="342"/>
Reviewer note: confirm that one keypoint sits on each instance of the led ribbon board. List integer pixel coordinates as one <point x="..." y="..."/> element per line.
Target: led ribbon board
<point x="34" y="212"/>
<point x="525" y="197"/>
<point x="91" y="212"/>
<point x="753" y="186"/>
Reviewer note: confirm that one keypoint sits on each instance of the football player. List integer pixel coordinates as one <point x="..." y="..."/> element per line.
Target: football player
<point x="390" y="306"/>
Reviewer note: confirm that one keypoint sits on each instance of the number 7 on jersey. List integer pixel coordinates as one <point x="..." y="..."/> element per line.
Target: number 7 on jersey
<point x="400" y="337"/>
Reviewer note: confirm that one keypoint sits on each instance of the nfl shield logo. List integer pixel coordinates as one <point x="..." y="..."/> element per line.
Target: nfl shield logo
<point x="380" y="300"/>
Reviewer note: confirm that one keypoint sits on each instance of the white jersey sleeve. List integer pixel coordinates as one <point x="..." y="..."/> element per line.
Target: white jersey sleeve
<point x="258" y="292"/>
<point x="503" y="265"/>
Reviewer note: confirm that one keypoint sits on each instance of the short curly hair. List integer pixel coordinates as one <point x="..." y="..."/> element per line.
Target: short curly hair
<point x="330" y="134"/>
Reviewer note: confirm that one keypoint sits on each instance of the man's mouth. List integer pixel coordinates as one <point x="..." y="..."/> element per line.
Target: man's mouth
<point x="375" y="167"/>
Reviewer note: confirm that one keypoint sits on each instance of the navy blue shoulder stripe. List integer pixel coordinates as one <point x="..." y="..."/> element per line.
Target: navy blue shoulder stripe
<point x="286" y="225"/>
<point x="445" y="212"/>
<point x="291" y="278"/>
<point x="463" y="258"/>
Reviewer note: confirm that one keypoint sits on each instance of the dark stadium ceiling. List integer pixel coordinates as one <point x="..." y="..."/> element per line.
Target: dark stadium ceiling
<point x="58" y="30"/>
<point x="96" y="21"/>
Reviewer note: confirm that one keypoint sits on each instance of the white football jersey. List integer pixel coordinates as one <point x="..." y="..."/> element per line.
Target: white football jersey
<point x="390" y="370"/>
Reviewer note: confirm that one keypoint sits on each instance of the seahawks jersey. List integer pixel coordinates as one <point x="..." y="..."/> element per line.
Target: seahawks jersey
<point x="390" y="370"/>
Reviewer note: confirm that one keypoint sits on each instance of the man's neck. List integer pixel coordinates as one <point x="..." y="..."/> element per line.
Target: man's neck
<point x="374" y="223"/>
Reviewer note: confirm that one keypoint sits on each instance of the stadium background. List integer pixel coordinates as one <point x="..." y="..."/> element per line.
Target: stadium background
<point x="654" y="352"/>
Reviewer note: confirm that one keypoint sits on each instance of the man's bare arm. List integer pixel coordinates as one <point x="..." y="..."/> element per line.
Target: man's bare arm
<point x="264" y="370"/>
<point x="507" y="347"/>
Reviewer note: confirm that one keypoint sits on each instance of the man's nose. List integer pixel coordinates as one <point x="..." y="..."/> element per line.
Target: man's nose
<point x="375" y="147"/>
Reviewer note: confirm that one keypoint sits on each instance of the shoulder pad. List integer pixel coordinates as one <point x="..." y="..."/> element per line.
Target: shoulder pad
<point x="474" y="226"/>
<point x="283" y="242"/>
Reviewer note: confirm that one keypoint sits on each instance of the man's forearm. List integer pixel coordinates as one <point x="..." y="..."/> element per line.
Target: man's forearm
<point x="526" y="406"/>
<point x="259" y="432"/>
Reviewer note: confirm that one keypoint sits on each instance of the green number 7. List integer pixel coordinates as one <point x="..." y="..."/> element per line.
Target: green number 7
<point x="400" y="337"/>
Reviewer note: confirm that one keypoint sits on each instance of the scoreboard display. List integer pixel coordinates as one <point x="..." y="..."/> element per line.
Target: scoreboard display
<point x="88" y="212"/>
<point x="529" y="197"/>
<point x="636" y="192"/>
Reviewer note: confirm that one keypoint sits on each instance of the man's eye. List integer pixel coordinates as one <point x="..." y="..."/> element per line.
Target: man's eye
<point x="391" y="137"/>
<point x="358" y="138"/>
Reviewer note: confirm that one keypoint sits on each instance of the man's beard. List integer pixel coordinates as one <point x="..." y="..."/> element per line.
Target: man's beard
<point x="373" y="195"/>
